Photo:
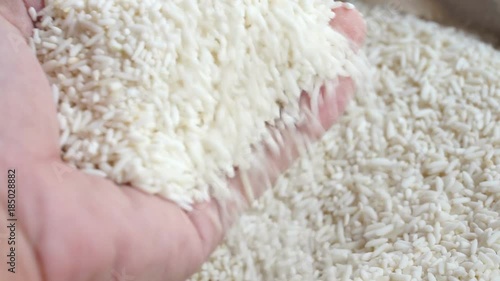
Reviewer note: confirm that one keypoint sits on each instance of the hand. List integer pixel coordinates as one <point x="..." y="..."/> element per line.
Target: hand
<point x="72" y="226"/>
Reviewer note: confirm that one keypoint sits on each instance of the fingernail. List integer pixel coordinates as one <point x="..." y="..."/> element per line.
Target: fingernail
<point x="349" y="6"/>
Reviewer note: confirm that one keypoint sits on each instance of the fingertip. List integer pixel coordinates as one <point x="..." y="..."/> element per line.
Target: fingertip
<point x="350" y="22"/>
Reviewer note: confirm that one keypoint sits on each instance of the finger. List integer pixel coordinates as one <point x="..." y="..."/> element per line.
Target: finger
<point x="211" y="219"/>
<point x="271" y="163"/>
<point x="334" y="97"/>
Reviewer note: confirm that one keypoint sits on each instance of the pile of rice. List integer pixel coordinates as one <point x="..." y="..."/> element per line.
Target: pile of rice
<point x="407" y="185"/>
<point x="171" y="96"/>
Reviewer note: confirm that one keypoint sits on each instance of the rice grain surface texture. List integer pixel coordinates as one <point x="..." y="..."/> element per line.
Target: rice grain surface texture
<point x="171" y="96"/>
<point x="406" y="187"/>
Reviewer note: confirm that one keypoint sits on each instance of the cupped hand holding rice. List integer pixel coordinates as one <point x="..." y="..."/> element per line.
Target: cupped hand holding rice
<point x="204" y="104"/>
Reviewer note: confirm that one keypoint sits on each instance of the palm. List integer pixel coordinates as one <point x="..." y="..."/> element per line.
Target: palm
<point x="81" y="227"/>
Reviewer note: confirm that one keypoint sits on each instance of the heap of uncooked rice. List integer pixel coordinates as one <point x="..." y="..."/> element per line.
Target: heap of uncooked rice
<point x="170" y="96"/>
<point x="406" y="187"/>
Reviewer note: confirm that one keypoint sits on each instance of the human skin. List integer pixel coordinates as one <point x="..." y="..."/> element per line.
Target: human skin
<point x="73" y="226"/>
